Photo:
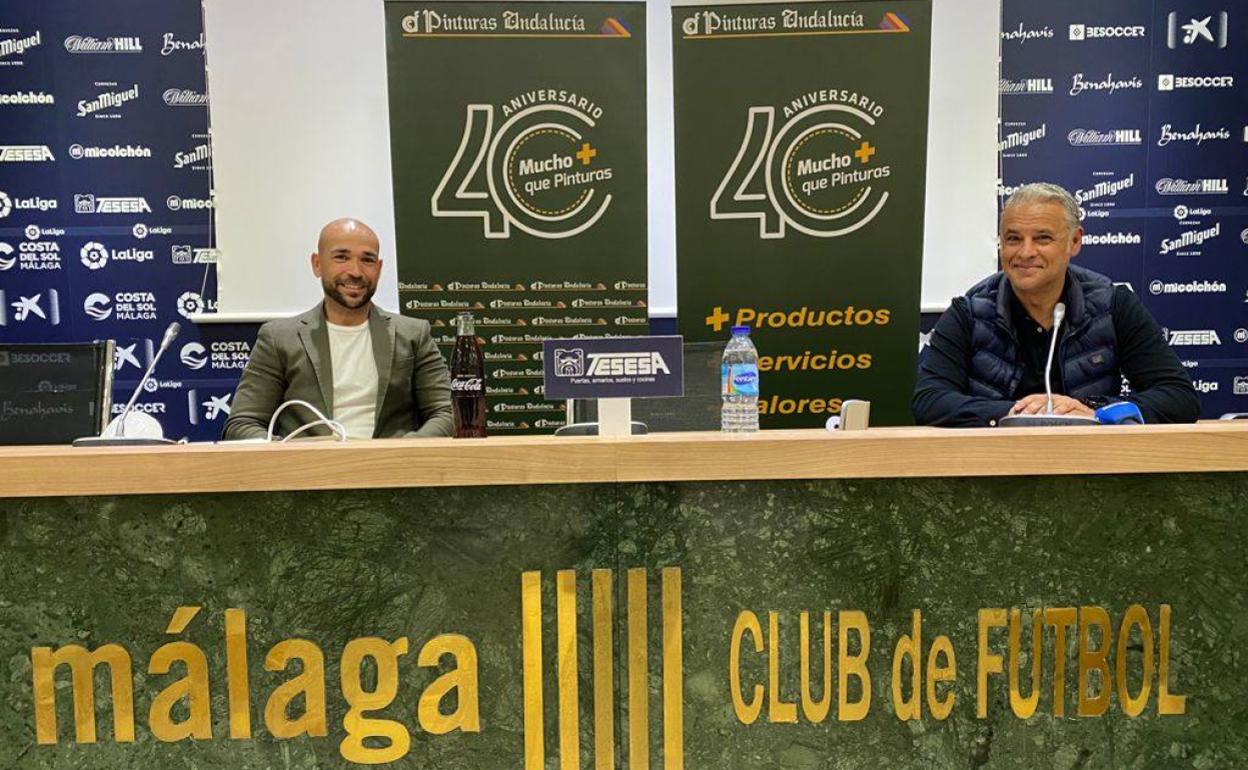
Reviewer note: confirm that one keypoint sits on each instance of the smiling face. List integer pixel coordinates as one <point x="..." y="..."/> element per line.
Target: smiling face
<point x="347" y="262"/>
<point x="1037" y="244"/>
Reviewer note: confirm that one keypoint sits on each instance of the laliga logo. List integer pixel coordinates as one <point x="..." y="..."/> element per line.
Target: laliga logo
<point x="94" y="255"/>
<point x="194" y="355"/>
<point x="189" y="304"/>
<point x="818" y="173"/>
<point x="6" y="205"/>
<point x="538" y="171"/>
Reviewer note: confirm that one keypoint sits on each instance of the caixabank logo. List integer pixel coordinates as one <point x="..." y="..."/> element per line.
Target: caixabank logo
<point x="816" y="165"/>
<point x="544" y="171"/>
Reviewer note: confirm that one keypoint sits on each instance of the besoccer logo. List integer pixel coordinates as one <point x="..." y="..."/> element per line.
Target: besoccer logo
<point x="569" y="363"/>
<point x="94" y="255"/>
<point x="189" y="304"/>
<point x="194" y="355"/>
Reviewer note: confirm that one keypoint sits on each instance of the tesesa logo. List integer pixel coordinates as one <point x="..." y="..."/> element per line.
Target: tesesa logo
<point x="1192" y="337"/>
<point x="571" y="363"/>
<point x="88" y="203"/>
<point x="25" y="153"/>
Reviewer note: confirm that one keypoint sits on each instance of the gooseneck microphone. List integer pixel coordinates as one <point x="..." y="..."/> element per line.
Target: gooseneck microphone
<point x="1059" y="313"/>
<point x="1047" y="419"/>
<point x="118" y="437"/>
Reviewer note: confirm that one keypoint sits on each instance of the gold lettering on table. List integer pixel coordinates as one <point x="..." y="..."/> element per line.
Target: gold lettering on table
<point x="604" y="671"/>
<point x="82" y="666"/>
<point x="636" y="652"/>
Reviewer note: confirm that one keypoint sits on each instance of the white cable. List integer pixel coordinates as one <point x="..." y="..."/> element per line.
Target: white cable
<point x="333" y="425"/>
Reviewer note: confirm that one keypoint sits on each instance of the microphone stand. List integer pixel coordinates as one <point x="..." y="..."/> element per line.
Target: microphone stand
<point x="120" y="438"/>
<point x="1048" y="419"/>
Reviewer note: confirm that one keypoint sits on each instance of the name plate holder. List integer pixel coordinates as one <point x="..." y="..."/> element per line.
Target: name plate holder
<point x="612" y="371"/>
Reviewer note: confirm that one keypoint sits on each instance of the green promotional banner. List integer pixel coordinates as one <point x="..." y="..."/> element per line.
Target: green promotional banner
<point x="518" y="143"/>
<point x="800" y="171"/>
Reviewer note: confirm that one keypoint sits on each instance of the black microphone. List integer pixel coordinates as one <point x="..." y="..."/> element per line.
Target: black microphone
<point x="120" y="438"/>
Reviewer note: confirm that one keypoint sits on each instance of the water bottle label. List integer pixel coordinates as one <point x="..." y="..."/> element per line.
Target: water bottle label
<point x="740" y="379"/>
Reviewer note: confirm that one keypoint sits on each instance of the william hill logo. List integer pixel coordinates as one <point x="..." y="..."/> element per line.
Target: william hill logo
<point x="1026" y="86"/>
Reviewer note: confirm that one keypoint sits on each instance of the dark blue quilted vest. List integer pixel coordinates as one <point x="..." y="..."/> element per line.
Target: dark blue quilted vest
<point x="1086" y="350"/>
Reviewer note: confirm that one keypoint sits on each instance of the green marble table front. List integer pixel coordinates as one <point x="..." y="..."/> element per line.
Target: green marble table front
<point x="681" y="625"/>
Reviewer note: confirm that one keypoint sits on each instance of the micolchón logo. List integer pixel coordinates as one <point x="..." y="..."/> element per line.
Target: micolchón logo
<point x="820" y="172"/>
<point x="541" y="170"/>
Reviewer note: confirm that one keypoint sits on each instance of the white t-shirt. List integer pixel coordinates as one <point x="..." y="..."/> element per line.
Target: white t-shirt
<point x="355" y="378"/>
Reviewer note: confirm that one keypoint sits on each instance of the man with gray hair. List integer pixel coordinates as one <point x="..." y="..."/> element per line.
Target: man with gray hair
<point x="988" y="351"/>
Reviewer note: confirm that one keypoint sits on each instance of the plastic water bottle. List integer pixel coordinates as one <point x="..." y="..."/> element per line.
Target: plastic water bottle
<point x="739" y="378"/>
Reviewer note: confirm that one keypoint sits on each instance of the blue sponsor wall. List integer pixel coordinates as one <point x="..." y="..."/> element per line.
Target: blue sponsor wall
<point x="1140" y="108"/>
<point x="105" y="200"/>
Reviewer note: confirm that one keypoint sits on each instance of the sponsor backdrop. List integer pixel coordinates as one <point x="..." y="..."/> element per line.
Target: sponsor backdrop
<point x="800" y="152"/>
<point x="518" y="144"/>
<point x="105" y="198"/>
<point x="1140" y="108"/>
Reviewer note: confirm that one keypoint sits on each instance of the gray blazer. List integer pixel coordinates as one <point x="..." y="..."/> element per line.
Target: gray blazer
<point x="291" y="360"/>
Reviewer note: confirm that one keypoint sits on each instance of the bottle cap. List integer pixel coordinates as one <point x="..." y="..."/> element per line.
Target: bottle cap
<point x="740" y="330"/>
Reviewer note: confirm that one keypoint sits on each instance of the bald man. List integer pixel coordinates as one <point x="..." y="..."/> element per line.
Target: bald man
<point x="380" y="375"/>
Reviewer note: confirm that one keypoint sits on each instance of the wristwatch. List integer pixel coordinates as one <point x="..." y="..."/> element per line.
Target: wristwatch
<point x="1096" y="402"/>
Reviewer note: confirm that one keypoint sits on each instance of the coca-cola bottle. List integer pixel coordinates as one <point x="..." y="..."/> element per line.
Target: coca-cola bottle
<point x="467" y="380"/>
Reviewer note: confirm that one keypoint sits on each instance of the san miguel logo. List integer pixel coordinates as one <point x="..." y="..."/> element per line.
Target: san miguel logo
<point x="543" y="170"/>
<point x="817" y="167"/>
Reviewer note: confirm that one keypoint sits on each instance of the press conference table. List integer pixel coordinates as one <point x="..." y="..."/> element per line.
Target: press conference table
<point x="662" y="457"/>
<point x="705" y="554"/>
